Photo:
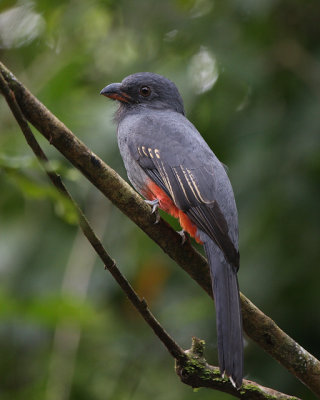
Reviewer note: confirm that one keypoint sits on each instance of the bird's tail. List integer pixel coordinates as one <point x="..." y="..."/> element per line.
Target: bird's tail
<point x="228" y="314"/>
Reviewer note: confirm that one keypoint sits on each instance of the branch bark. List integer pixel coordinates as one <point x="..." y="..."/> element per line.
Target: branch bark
<point x="257" y="325"/>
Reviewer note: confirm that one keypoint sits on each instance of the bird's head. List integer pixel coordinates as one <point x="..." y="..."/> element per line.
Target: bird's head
<point x="145" y="89"/>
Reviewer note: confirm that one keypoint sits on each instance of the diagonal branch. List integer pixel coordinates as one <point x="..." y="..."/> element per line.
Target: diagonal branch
<point x="257" y="325"/>
<point x="109" y="263"/>
<point x="189" y="364"/>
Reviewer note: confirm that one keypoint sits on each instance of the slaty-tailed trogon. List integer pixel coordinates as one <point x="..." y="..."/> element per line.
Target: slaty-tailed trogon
<point x="171" y="165"/>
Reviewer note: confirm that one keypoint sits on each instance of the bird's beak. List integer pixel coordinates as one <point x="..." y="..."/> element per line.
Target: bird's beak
<point x="113" y="91"/>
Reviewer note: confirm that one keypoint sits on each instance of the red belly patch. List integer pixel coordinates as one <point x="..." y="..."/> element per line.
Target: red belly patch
<point x="166" y="204"/>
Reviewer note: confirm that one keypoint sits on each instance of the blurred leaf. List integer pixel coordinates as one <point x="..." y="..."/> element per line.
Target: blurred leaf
<point x="36" y="190"/>
<point x="49" y="311"/>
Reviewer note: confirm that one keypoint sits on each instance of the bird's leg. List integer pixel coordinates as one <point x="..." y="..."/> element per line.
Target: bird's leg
<point x="183" y="235"/>
<point x="155" y="205"/>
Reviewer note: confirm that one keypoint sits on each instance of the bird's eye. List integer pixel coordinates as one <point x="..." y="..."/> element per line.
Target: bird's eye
<point x="145" y="91"/>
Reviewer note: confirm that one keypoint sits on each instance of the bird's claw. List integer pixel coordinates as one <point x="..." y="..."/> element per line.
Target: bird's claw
<point x="155" y="205"/>
<point x="157" y="217"/>
<point x="183" y="235"/>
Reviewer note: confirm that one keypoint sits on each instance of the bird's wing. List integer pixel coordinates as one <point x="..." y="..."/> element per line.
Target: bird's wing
<point x="190" y="188"/>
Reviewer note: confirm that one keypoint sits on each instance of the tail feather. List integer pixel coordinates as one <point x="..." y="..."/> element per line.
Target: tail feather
<point x="228" y="313"/>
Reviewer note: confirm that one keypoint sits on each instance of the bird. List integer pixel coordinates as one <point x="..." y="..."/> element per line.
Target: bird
<point x="170" y="164"/>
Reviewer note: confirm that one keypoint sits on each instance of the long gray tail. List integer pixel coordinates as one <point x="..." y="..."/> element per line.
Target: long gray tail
<point x="228" y="313"/>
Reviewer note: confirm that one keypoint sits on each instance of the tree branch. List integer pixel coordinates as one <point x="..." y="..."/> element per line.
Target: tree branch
<point x="196" y="372"/>
<point x="189" y="363"/>
<point x="139" y="304"/>
<point x="256" y="324"/>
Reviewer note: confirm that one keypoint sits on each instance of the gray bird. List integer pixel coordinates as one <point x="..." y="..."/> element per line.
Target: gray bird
<point x="170" y="164"/>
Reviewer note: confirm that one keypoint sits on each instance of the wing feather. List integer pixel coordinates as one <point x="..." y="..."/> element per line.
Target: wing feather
<point x="188" y="189"/>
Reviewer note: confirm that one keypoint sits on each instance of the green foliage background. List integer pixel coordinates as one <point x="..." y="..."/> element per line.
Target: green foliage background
<point x="249" y="73"/>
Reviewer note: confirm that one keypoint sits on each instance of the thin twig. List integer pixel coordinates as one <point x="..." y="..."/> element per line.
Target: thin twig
<point x="257" y="325"/>
<point x="175" y="350"/>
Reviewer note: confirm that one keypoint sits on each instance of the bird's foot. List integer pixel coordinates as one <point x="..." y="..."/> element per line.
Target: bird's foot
<point x="183" y="235"/>
<point x="155" y="205"/>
